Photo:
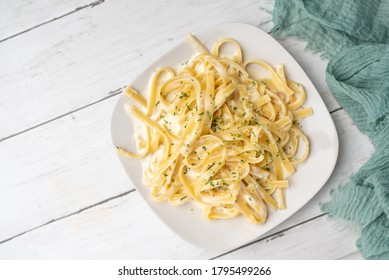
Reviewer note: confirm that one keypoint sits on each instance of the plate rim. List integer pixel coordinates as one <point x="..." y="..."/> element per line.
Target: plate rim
<point x="335" y="148"/>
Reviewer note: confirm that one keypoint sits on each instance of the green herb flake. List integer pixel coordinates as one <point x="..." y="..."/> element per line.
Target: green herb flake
<point x="183" y="94"/>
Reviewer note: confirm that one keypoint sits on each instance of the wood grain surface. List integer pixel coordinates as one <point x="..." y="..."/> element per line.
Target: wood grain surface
<point x="63" y="192"/>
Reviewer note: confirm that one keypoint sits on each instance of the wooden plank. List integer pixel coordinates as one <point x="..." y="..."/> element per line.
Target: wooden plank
<point x="19" y="16"/>
<point x="43" y="181"/>
<point x="320" y="238"/>
<point x="126" y="228"/>
<point x="353" y="256"/>
<point x="58" y="168"/>
<point x="88" y="55"/>
<point x="48" y="179"/>
<point x="123" y="228"/>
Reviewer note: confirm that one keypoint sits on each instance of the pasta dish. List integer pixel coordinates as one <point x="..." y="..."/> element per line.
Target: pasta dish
<point x="217" y="135"/>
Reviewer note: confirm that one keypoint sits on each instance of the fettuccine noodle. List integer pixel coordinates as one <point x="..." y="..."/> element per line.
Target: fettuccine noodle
<point x="215" y="135"/>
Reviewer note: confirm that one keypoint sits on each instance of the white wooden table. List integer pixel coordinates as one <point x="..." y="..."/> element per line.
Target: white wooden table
<point x="63" y="192"/>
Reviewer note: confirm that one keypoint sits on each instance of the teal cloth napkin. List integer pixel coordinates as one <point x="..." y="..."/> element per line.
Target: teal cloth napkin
<point x="354" y="37"/>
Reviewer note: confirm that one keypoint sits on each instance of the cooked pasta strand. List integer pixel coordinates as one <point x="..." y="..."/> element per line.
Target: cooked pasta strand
<point x="218" y="137"/>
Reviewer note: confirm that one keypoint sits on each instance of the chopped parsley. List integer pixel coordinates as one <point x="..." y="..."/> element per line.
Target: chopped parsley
<point x="183" y="94"/>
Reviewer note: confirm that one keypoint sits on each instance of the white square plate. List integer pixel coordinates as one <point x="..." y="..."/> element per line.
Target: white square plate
<point x="187" y="220"/>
